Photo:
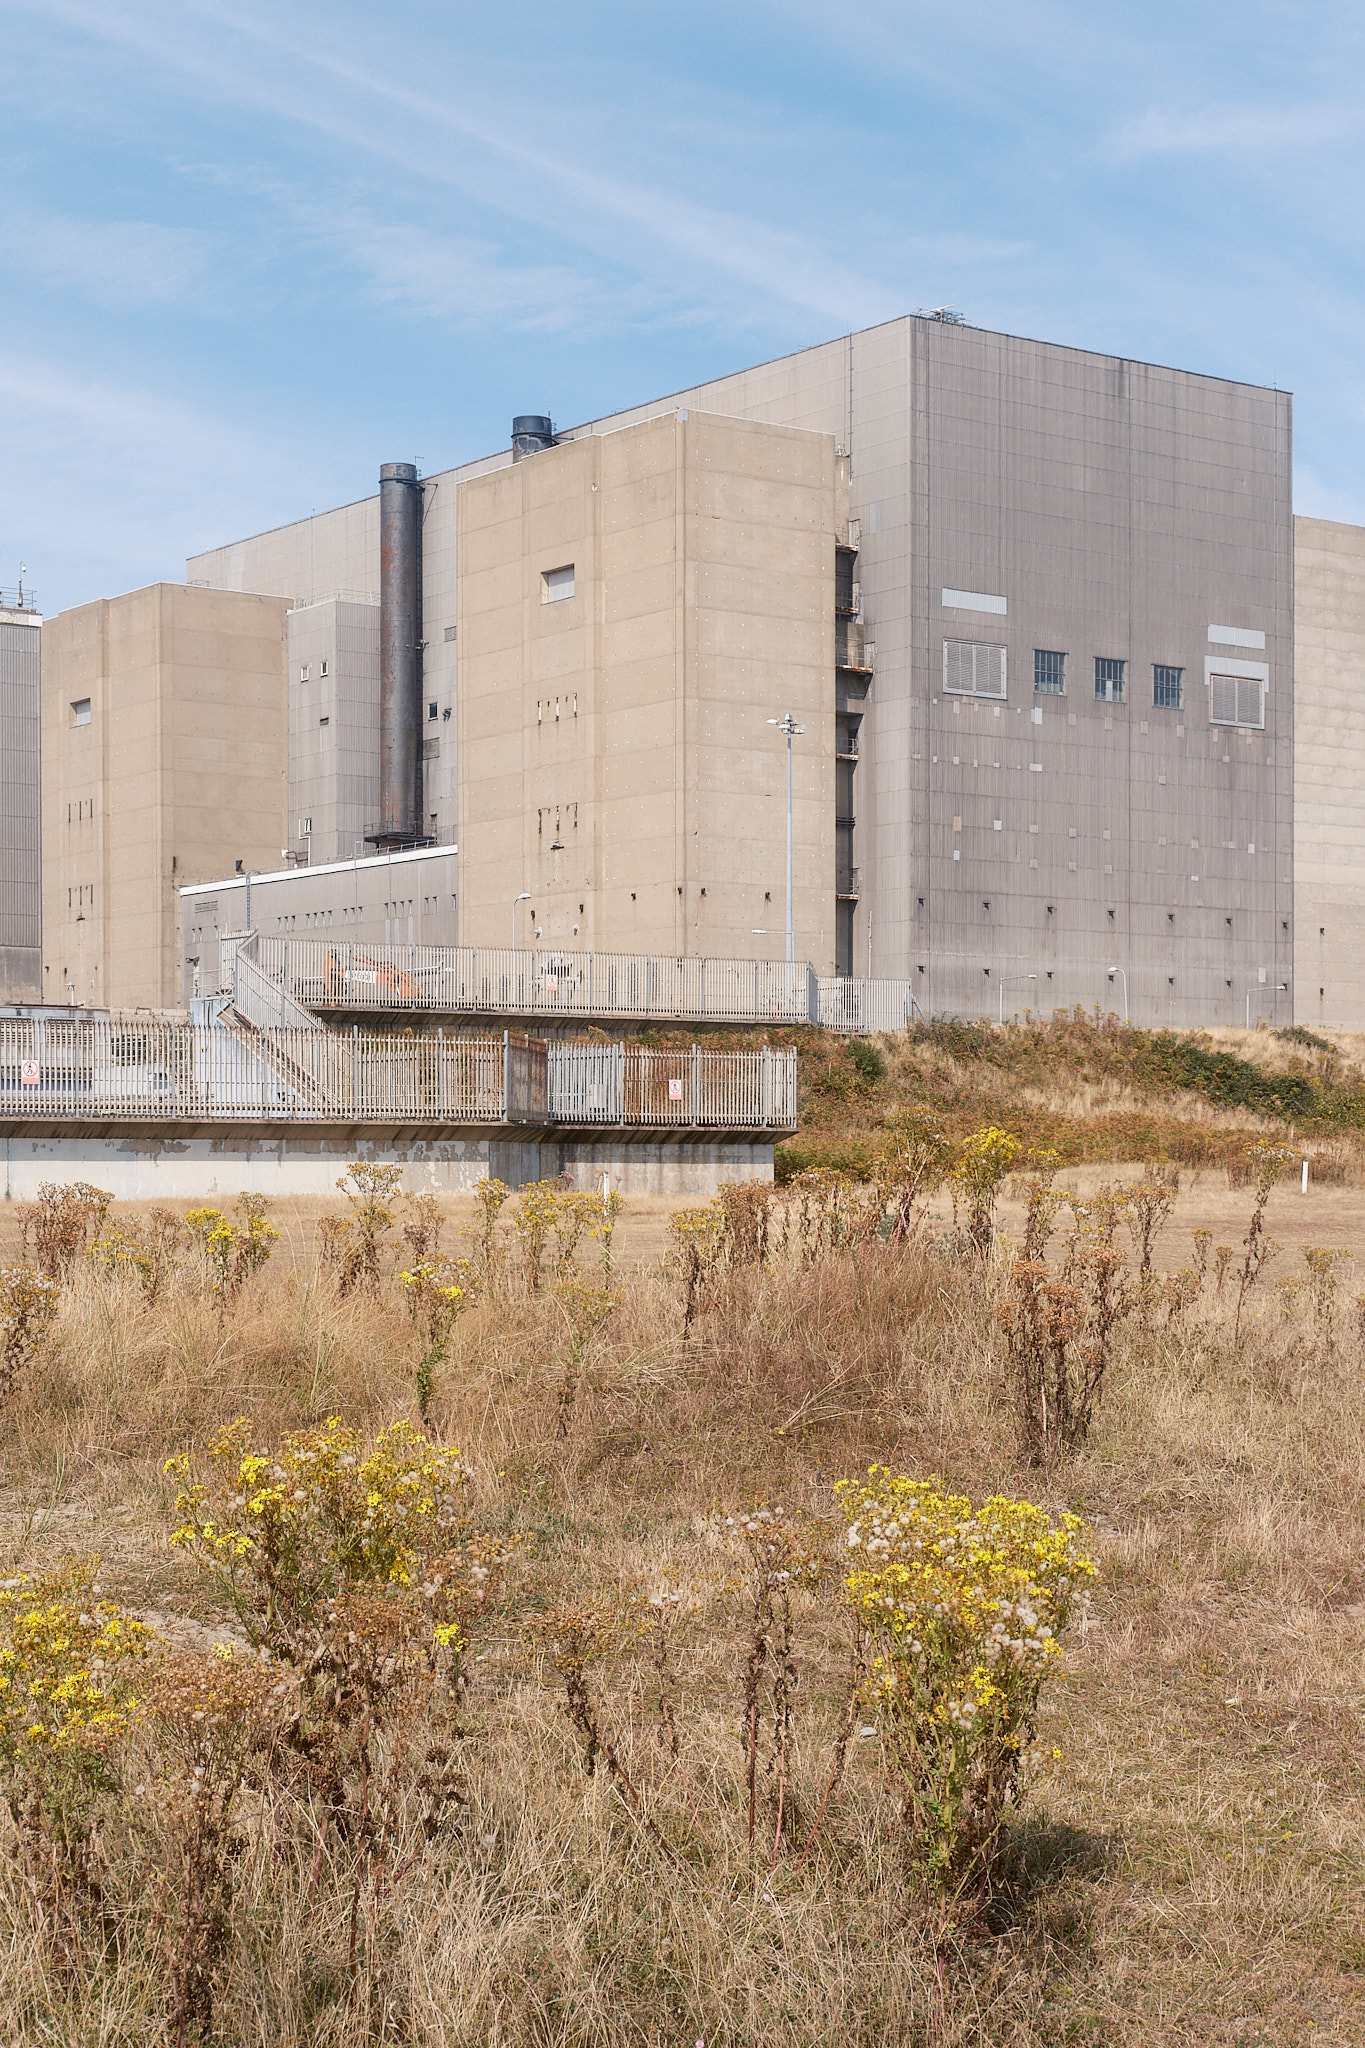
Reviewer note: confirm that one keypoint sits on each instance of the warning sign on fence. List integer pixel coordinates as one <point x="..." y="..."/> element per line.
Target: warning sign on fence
<point x="675" y="1089"/>
<point x="28" y="1073"/>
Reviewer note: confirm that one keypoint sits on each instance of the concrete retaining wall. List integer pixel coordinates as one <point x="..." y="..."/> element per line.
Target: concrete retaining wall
<point x="153" y="1163"/>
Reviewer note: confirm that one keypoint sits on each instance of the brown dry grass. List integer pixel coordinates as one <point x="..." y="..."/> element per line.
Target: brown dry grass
<point x="1193" y="1874"/>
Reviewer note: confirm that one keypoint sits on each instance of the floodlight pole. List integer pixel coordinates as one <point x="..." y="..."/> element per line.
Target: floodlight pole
<point x="791" y="728"/>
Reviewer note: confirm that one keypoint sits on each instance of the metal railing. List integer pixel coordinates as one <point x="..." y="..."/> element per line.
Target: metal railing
<point x="619" y="1084"/>
<point x="849" y="1005"/>
<point x="95" y="1068"/>
<point x="484" y="980"/>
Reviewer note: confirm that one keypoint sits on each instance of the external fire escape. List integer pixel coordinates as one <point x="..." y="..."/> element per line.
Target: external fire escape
<point x="853" y="657"/>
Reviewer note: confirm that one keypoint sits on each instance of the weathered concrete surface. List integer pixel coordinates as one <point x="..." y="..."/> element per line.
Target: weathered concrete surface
<point x="1329" y="774"/>
<point x="152" y="1163"/>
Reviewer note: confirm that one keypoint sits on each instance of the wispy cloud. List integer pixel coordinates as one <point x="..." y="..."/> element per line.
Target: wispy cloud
<point x="445" y="143"/>
<point x="177" y="475"/>
<point x="117" y="264"/>
<point x="1233" y="131"/>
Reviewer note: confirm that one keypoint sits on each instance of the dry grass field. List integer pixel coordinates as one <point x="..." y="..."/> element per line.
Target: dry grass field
<point x="1192" y="1872"/>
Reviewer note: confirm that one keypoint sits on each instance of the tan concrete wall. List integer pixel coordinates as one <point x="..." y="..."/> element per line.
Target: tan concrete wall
<point x="1329" y="774"/>
<point x="630" y="722"/>
<point x="179" y="774"/>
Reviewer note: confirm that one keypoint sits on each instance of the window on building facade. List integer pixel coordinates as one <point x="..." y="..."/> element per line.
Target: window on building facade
<point x="973" y="668"/>
<point x="1049" y="672"/>
<point x="80" y="711"/>
<point x="556" y="584"/>
<point x="1236" y="700"/>
<point x="322" y="668"/>
<point x="1108" y="679"/>
<point x="432" y="710"/>
<point x="1167" y="687"/>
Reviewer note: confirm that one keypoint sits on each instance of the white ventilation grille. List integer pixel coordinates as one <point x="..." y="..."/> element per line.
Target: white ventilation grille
<point x="973" y="668"/>
<point x="557" y="584"/>
<point x="1236" y="700"/>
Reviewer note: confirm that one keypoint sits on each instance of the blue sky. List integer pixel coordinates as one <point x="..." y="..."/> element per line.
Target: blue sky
<point x="253" y="251"/>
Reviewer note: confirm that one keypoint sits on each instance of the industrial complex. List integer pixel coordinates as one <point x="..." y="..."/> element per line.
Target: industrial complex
<point x="931" y="671"/>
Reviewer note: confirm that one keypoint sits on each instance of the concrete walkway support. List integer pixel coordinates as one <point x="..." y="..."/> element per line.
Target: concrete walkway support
<point x="210" y="1162"/>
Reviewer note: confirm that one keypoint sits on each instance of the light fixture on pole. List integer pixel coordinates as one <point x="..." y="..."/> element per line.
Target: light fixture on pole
<point x="524" y="897"/>
<point x="791" y="728"/>
<point x="1112" y="971"/>
<point x="1003" y="986"/>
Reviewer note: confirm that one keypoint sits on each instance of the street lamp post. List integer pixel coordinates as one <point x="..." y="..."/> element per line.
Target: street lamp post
<point x="1124" y="972"/>
<point x="524" y="897"/>
<point x="791" y="728"/>
<point x="1003" y="986"/>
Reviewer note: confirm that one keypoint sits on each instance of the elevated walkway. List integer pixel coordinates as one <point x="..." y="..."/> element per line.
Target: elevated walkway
<point x="319" y="977"/>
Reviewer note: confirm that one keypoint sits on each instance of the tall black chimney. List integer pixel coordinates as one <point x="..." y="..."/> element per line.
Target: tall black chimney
<point x="400" y="655"/>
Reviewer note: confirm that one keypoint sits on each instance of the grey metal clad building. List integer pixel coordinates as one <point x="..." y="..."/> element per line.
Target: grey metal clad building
<point x="333" y="665"/>
<point x="1063" y="686"/>
<point x="21" y="971"/>
<point x="394" y="899"/>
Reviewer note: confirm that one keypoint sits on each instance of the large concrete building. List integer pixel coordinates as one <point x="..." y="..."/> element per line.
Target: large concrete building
<point x="1033" y="606"/>
<point x="20" y="852"/>
<point x="1329" y="774"/>
<point x="163" y="759"/>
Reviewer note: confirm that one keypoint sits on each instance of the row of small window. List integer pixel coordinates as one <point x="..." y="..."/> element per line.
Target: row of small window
<point x="977" y="669"/>
<point x="306" y="670"/>
<point x="1111" y="679"/>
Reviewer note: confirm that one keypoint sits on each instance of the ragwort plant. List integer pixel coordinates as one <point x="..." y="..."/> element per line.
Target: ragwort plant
<point x="438" y="1291"/>
<point x="148" y="1249"/>
<point x="361" y="1571"/>
<point x="56" y="1228"/>
<point x="66" y="1705"/>
<point x="28" y="1309"/>
<point x="214" y="1722"/>
<point x="233" y="1250"/>
<point x="986" y="1158"/>
<point x="353" y="1245"/>
<point x="964" y="1608"/>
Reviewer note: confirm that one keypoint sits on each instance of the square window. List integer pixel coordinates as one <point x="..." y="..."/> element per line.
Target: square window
<point x="80" y="711"/>
<point x="1236" y="700"/>
<point x="1108" y="679"/>
<point x="556" y="584"/>
<point x="1167" y="687"/>
<point x="1049" y="672"/>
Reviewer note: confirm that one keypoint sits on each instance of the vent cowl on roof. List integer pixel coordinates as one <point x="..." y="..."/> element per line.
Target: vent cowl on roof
<point x="531" y="431"/>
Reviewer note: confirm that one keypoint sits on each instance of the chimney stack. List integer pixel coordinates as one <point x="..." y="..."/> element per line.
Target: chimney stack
<point x="400" y="656"/>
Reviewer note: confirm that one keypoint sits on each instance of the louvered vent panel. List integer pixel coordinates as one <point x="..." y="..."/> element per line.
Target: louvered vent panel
<point x="973" y="668"/>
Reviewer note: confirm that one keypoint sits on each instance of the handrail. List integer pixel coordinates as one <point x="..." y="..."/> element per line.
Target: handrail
<point x="159" y="1072"/>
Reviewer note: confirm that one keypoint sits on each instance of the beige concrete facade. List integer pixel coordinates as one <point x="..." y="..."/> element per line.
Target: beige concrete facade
<point x="1329" y="774"/>
<point x="163" y="763"/>
<point x="634" y="608"/>
<point x="20" y="851"/>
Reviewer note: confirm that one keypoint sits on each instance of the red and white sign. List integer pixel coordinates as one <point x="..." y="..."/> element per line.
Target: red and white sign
<point x="675" y="1089"/>
<point x="28" y="1074"/>
<point x="552" y="984"/>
